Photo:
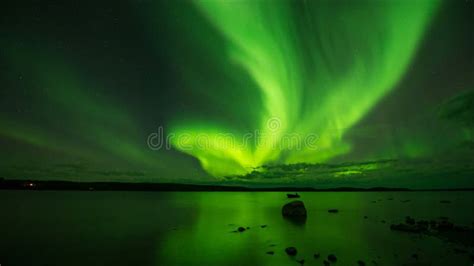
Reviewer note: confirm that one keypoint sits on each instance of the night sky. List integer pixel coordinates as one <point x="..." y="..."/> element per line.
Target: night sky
<point x="386" y="88"/>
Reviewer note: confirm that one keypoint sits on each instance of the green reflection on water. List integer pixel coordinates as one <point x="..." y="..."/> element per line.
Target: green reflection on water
<point x="210" y="240"/>
<point x="143" y="228"/>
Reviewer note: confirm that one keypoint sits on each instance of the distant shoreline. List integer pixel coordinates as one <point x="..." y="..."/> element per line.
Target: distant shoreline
<point x="119" y="186"/>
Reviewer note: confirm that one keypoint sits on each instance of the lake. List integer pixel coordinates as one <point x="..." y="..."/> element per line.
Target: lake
<point x="198" y="228"/>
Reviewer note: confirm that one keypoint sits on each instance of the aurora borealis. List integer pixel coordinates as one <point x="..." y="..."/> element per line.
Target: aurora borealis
<point x="83" y="87"/>
<point x="316" y="84"/>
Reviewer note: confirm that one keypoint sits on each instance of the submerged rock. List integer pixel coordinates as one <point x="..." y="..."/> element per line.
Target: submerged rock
<point x="326" y="263"/>
<point x="270" y="252"/>
<point x="406" y="228"/>
<point x="360" y="263"/>
<point x="332" y="258"/>
<point x="291" y="251"/>
<point x="300" y="261"/>
<point x="241" y="229"/>
<point x="333" y="210"/>
<point x="294" y="209"/>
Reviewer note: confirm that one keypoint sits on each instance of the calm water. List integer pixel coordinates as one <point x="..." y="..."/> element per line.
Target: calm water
<point x="195" y="228"/>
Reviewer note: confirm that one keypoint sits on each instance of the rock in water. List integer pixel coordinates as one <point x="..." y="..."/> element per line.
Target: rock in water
<point x="406" y="228"/>
<point x="294" y="209"/>
<point x="291" y="251"/>
<point x="292" y="196"/>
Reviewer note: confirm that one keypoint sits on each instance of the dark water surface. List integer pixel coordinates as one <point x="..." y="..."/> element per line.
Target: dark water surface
<point x="195" y="228"/>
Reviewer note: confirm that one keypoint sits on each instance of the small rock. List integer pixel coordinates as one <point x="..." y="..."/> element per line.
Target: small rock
<point x="333" y="210"/>
<point x="263" y="226"/>
<point x="241" y="229"/>
<point x="292" y="196"/>
<point x="406" y="228"/>
<point x="366" y="217"/>
<point x="270" y="252"/>
<point x="326" y="263"/>
<point x="383" y="221"/>
<point x="332" y="258"/>
<point x="248" y="227"/>
<point x="360" y="263"/>
<point x="316" y="255"/>
<point x="291" y="251"/>
<point x="300" y="261"/>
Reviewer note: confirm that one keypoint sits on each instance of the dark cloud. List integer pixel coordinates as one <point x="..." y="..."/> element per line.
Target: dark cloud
<point x="459" y="109"/>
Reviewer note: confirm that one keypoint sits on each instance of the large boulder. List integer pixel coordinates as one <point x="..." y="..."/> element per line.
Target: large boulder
<point x="294" y="209"/>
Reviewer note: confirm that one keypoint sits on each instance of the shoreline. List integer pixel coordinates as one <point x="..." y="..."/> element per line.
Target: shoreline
<point x="6" y="184"/>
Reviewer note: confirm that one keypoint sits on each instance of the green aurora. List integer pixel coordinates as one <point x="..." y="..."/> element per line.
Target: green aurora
<point x="368" y="81"/>
<point x="322" y="82"/>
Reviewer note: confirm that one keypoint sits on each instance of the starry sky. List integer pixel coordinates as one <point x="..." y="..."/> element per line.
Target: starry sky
<point x="383" y="89"/>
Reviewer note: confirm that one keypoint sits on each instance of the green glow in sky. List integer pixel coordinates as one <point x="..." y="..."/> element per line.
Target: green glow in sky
<point x="319" y="68"/>
<point x="250" y="92"/>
